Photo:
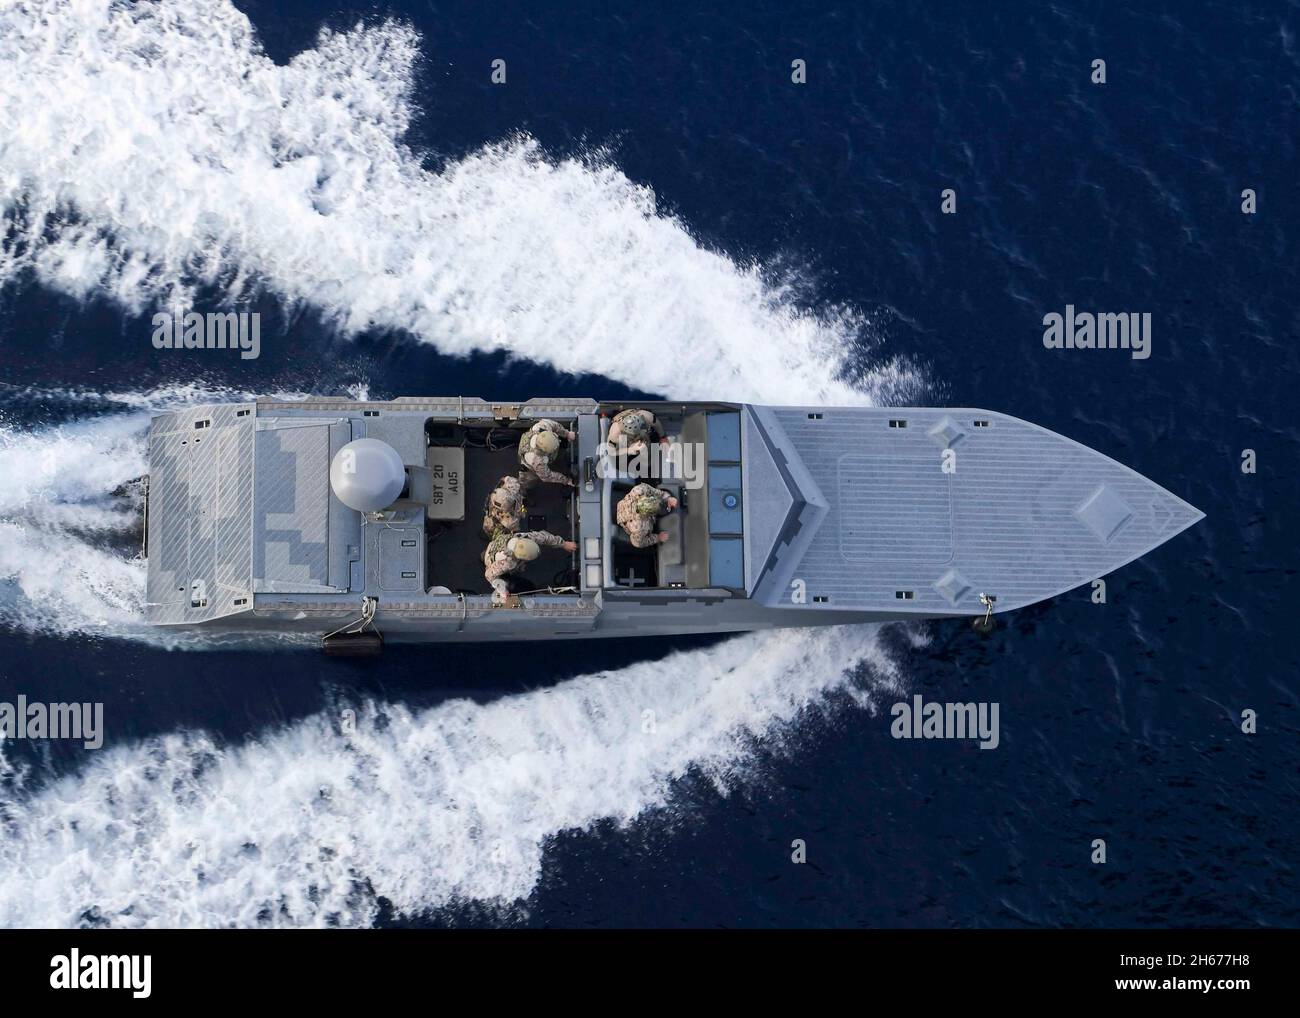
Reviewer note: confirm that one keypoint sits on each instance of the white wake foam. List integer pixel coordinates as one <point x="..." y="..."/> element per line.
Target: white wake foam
<point x="149" y="149"/>
<point x="457" y="803"/>
<point x="55" y="503"/>
<point x="69" y="557"/>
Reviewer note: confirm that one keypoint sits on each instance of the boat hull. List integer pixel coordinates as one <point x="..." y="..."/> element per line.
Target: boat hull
<point x="796" y="517"/>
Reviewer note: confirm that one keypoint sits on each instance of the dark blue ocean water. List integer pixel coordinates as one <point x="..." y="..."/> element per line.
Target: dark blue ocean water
<point x="1119" y="721"/>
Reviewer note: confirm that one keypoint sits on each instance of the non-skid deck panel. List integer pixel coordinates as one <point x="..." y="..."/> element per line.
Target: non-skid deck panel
<point x="1025" y="515"/>
<point x="895" y="508"/>
<point x="291" y="508"/>
<point x="200" y="514"/>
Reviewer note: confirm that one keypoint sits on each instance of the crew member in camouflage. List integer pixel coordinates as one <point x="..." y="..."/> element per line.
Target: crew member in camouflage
<point x="507" y="554"/>
<point x="636" y="428"/>
<point x="505" y="507"/>
<point x="539" y="445"/>
<point x="638" y="512"/>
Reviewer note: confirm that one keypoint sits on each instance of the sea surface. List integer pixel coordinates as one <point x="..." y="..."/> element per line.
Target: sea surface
<point x="650" y="206"/>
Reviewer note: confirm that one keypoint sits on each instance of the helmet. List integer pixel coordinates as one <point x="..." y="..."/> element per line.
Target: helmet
<point x="635" y="424"/>
<point x="501" y="500"/>
<point x="546" y="443"/>
<point x="523" y="548"/>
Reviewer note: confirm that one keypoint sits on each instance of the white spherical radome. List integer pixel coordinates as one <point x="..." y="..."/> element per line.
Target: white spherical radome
<point x="367" y="475"/>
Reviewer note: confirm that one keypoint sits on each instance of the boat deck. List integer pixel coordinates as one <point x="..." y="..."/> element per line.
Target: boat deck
<point x="1024" y="514"/>
<point x="455" y="550"/>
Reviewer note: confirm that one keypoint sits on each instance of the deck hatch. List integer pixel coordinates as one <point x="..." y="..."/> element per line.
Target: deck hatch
<point x="725" y="512"/>
<point x="726" y="562"/>
<point x="399" y="559"/>
<point x="724" y="437"/>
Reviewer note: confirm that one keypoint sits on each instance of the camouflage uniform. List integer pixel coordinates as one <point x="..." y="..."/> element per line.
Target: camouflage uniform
<point x="638" y="512"/>
<point x="509" y="514"/>
<point x="500" y="563"/>
<point x="635" y="427"/>
<point x="539" y="463"/>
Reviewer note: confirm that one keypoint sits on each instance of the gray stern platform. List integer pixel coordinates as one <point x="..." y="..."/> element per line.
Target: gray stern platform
<point x="200" y="525"/>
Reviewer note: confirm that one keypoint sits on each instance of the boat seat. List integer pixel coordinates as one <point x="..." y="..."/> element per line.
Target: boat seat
<point x="622" y="476"/>
<point x="670" y="552"/>
<point x="618" y="489"/>
<point x="620" y="473"/>
<point x="670" y="555"/>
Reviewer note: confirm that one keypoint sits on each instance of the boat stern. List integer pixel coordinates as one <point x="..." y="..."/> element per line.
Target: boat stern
<point x="200" y="514"/>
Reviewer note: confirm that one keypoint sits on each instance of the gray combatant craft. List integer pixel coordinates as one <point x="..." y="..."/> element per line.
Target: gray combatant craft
<point x="348" y="519"/>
